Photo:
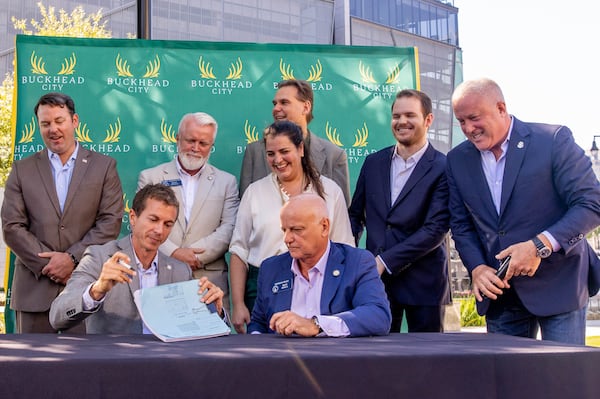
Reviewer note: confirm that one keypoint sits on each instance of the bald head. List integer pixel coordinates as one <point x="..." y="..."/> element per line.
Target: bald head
<point x="305" y="225"/>
<point x="483" y="88"/>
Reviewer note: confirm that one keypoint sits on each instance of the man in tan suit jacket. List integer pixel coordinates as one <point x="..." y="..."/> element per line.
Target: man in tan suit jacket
<point x="56" y="203"/>
<point x="208" y="197"/>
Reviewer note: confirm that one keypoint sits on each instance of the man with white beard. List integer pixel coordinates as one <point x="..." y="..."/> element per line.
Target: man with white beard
<point x="208" y="197"/>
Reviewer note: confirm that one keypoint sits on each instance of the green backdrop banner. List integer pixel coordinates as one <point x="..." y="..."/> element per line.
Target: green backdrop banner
<point x="131" y="94"/>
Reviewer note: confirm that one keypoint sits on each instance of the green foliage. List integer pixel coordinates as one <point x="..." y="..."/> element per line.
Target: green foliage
<point x="6" y="96"/>
<point x="468" y="313"/>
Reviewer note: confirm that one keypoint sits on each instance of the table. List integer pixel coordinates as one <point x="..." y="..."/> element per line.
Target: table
<point x="400" y="366"/>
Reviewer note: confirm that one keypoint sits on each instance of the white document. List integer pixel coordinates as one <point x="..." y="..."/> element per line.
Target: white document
<point x="173" y="312"/>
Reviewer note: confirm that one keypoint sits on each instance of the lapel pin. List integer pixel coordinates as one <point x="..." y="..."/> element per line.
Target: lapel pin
<point x="275" y="289"/>
<point x="84" y="160"/>
<point x="336" y="273"/>
<point x="169" y="267"/>
<point x="210" y="177"/>
<point x="520" y="144"/>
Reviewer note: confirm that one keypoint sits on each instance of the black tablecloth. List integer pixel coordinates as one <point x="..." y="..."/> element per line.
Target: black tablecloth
<point x="453" y="365"/>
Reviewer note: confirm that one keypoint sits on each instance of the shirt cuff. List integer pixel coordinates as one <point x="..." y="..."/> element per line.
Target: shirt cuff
<point x="333" y="326"/>
<point x="555" y="245"/>
<point x="89" y="303"/>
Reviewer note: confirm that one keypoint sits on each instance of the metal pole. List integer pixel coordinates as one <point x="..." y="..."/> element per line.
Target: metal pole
<point x="143" y="19"/>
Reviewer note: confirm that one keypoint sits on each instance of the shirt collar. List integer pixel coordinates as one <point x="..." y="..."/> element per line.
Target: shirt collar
<point x="55" y="156"/>
<point x="416" y="157"/>
<point x="182" y="171"/>
<point x="319" y="267"/>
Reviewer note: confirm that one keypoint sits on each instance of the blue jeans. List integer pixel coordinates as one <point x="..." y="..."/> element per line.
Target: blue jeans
<point x="511" y="318"/>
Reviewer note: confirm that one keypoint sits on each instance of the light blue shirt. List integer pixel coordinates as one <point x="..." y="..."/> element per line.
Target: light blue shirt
<point x="493" y="170"/>
<point x="306" y="297"/>
<point x="62" y="174"/>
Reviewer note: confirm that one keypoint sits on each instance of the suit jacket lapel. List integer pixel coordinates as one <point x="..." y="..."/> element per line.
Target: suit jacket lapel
<point x="170" y="173"/>
<point x="124" y="245"/>
<point x="385" y="170"/>
<point x="333" y="277"/>
<point x="317" y="152"/>
<point x="473" y="157"/>
<point x="421" y="169"/>
<point x="45" y="169"/>
<point x="283" y="298"/>
<point x="165" y="270"/>
<point x="79" y="172"/>
<point x="517" y="148"/>
<point x="207" y="179"/>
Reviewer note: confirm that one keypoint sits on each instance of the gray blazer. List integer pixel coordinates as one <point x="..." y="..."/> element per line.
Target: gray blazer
<point x="213" y="213"/>
<point x="33" y="222"/>
<point x="329" y="160"/>
<point x="118" y="313"/>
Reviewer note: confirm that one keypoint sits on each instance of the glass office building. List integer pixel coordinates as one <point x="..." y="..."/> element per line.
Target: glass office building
<point x="427" y="24"/>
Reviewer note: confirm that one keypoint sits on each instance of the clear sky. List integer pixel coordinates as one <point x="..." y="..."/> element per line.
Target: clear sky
<point x="543" y="54"/>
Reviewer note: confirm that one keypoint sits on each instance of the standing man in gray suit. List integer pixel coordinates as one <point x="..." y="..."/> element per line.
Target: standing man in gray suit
<point x="208" y="197"/>
<point x="57" y="202"/>
<point x="294" y="101"/>
<point x="101" y="289"/>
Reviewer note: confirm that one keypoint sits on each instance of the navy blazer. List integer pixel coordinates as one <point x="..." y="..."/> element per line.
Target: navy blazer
<point x="548" y="185"/>
<point x="352" y="290"/>
<point x="409" y="234"/>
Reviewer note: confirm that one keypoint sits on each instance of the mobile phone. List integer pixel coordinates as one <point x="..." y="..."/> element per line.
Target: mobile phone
<point x="501" y="272"/>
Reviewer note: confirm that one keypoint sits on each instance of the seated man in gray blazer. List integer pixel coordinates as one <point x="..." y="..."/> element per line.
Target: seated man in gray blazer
<point x="100" y="291"/>
<point x="293" y="102"/>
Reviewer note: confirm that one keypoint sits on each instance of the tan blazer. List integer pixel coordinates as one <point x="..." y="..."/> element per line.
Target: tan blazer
<point x="213" y="214"/>
<point x="32" y="221"/>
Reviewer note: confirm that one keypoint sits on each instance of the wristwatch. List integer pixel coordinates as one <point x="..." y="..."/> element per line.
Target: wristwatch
<point x="315" y="320"/>
<point x="542" y="250"/>
<point x="73" y="259"/>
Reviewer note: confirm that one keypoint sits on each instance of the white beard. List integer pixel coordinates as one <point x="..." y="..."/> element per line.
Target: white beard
<point x="191" y="162"/>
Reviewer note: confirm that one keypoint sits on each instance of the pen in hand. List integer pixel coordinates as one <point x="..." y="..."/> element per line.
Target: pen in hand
<point x="123" y="263"/>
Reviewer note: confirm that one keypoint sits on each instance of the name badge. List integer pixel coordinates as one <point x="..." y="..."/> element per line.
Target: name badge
<point x="281" y="286"/>
<point x="172" y="183"/>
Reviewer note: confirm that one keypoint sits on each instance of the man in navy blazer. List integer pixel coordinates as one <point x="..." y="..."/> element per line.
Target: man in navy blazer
<point x="528" y="191"/>
<point x="401" y="198"/>
<point x="318" y="288"/>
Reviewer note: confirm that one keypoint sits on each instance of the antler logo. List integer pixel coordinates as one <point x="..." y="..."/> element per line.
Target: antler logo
<point x="38" y="65"/>
<point x="360" y="139"/>
<point x="287" y="72"/>
<point x="83" y="133"/>
<point x="168" y="133"/>
<point x="207" y="71"/>
<point x="124" y="70"/>
<point x="251" y="133"/>
<point x="28" y="132"/>
<point x="332" y="135"/>
<point x="113" y="132"/>
<point x="126" y="207"/>
<point x="67" y="67"/>
<point x="367" y="75"/>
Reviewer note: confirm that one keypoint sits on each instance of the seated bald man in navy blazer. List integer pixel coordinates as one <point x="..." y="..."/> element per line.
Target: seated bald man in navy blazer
<point x="319" y="287"/>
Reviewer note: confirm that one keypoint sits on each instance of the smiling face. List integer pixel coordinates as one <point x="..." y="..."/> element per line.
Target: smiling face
<point x="481" y="112"/>
<point x="409" y="124"/>
<point x="284" y="157"/>
<point x="287" y="106"/>
<point x="152" y="226"/>
<point x="57" y="127"/>
<point x="194" y="143"/>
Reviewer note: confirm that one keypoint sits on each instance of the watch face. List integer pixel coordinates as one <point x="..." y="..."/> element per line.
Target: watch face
<point x="544" y="252"/>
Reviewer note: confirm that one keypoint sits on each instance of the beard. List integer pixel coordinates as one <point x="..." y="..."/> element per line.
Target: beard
<point x="192" y="162"/>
